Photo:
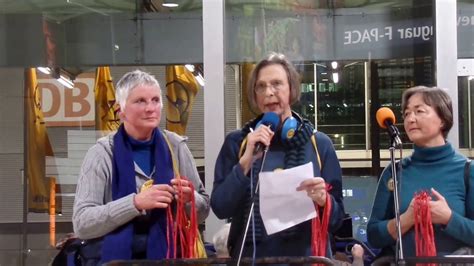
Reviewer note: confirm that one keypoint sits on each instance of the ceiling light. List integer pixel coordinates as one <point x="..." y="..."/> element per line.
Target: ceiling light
<point x="196" y="70"/>
<point x="170" y="4"/>
<point x="190" y="67"/>
<point x="200" y="79"/>
<point x="45" y="70"/>
<point x="65" y="81"/>
<point x="64" y="77"/>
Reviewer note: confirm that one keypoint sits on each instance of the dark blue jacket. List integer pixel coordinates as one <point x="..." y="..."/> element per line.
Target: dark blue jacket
<point x="230" y="196"/>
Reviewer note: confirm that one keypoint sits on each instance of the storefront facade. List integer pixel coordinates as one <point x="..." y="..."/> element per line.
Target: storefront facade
<point x="354" y="57"/>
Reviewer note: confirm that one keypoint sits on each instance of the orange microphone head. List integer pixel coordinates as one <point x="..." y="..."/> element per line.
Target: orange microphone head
<point x="385" y="114"/>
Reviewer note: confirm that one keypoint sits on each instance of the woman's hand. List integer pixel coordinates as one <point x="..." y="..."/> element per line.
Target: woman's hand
<point x="407" y="220"/>
<point x="440" y="211"/>
<point x="316" y="190"/>
<point x="156" y="196"/>
<point x="186" y="190"/>
<point x="409" y="214"/>
<point x="357" y="252"/>
<point x="262" y="134"/>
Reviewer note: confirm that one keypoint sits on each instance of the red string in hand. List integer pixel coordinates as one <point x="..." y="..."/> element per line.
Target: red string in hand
<point x="183" y="230"/>
<point x="319" y="227"/>
<point x="424" y="234"/>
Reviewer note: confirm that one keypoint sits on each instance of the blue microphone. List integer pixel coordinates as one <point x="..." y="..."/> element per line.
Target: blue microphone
<point x="271" y="120"/>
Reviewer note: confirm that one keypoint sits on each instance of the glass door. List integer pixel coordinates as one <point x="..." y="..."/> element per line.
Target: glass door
<point x="465" y="86"/>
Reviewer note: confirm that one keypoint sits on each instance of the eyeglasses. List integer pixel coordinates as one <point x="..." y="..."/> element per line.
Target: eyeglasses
<point x="415" y="113"/>
<point x="275" y="85"/>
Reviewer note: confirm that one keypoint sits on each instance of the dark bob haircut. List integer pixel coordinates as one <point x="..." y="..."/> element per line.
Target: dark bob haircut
<point x="438" y="99"/>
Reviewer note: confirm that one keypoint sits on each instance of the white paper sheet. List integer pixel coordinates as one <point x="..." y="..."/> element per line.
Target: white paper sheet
<point x="281" y="206"/>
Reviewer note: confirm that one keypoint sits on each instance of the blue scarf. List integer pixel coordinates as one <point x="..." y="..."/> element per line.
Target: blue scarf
<point x="117" y="244"/>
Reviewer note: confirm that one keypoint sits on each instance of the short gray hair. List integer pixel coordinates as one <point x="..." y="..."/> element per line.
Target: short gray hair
<point x="436" y="98"/>
<point x="130" y="81"/>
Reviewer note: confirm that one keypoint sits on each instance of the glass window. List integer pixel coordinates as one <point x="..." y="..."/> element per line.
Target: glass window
<point x="465" y="86"/>
<point x="353" y="58"/>
<point x="340" y="96"/>
<point x="378" y="51"/>
<point x="40" y="155"/>
<point x="465" y="26"/>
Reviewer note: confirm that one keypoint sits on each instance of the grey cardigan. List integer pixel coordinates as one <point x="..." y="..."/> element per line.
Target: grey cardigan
<point x="95" y="214"/>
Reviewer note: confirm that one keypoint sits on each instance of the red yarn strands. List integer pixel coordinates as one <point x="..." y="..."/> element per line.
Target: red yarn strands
<point x="169" y="231"/>
<point x="319" y="227"/>
<point x="424" y="234"/>
<point x="181" y="229"/>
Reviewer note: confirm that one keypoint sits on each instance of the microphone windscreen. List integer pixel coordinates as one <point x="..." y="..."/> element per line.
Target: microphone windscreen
<point x="270" y="119"/>
<point x="384" y="114"/>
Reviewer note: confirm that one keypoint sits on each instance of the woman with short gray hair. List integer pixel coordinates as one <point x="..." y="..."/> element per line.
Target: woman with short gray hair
<point x="132" y="179"/>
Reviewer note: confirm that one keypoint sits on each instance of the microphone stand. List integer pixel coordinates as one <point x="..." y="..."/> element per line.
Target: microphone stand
<point x="396" y="143"/>
<point x="252" y="193"/>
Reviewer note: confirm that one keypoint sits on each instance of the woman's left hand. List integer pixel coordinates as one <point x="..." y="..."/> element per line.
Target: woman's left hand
<point x="440" y="211"/>
<point x="316" y="189"/>
<point x="185" y="188"/>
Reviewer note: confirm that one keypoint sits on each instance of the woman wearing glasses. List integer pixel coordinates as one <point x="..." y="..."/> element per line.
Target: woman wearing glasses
<point x="434" y="167"/>
<point x="274" y="86"/>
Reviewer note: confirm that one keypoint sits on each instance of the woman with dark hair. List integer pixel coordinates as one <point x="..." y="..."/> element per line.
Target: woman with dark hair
<point x="434" y="167"/>
<point x="274" y="86"/>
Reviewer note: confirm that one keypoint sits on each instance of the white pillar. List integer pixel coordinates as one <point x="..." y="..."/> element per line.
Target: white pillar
<point x="447" y="56"/>
<point x="214" y="130"/>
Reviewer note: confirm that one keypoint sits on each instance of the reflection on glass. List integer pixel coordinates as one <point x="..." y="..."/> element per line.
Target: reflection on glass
<point x="465" y="100"/>
<point x="340" y="106"/>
